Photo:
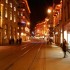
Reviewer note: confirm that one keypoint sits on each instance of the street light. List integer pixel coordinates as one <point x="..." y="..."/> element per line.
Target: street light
<point x="50" y="14"/>
<point x="50" y="23"/>
<point x="49" y="11"/>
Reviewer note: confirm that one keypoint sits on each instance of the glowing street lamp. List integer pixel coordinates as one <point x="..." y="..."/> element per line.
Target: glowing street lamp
<point x="49" y="11"/>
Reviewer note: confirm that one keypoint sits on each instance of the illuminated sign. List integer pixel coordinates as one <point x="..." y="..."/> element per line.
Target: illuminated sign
<point x="22" y="23"/>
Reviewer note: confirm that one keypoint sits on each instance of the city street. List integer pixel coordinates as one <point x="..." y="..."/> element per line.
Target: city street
<point x="34" y="34"/>
<point x="33" y="56"/>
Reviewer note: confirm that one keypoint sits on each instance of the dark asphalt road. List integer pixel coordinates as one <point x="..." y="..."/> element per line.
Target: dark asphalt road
<point x="33" y="56"/>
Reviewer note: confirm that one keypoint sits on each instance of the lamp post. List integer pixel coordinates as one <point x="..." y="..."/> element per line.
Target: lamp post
<point x="50" y="15"/>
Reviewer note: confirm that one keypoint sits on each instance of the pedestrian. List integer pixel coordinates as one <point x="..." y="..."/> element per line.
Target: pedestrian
<point x="64" y="47"/>
<point x="20" y="40"/>
<point x="17" y="41"/>
<point x="47" y="40"/>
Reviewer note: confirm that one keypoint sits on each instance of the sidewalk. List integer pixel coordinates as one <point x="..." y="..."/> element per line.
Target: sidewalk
<point x="51" y="59"/>
<point x="54" y="45"/>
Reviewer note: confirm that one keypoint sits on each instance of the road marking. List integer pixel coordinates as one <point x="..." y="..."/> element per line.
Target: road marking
<point x="25" y="52"/>
<point x="23" y="48"/>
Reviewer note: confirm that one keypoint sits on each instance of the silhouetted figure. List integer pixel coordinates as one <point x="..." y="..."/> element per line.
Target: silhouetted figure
<point x="9" y="41"/>
<point x="17" y="41"/>
<point x="20" y="40"/>
<point x="64" y="47"/>
<point x="47" y="40"/>
<point x="50" y="40"/>
<point x="12" y="40"/>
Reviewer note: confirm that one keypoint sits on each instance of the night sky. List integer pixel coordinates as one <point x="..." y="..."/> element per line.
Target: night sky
<point x="38" y="10"/>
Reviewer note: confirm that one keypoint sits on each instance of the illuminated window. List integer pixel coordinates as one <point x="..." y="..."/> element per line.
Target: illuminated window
<point x="28" y="23"/>
<point x="11" y="5"/>
<point x="14" y="8"/>
<point x="7" y="1"/>
<point x="5" y="32"/>
<point x="22" y="34"/>
<point x="14" y="18"/>
<point x="23" y="9"/>
<point x="6" y="12"/>
<point x="10" y="37"/>
<point x="27" y="29"/>
<point x="1" y="15"/>
<point x="18" y="28"/>
<point x="17" y="33"/>
<point x="21" y="14"/>
<point x="5" y="27"/>
<point x="21" y="28"/>
<point x="18" y="13"/>
<point x="10" y="15"/>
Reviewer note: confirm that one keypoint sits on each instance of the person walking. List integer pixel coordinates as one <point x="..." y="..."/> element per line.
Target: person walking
<point x="64" y="47"/>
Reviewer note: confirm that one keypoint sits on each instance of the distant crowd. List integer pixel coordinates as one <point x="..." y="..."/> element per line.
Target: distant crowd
<point x="18" y="41"/>
<point x="49" y="41"/>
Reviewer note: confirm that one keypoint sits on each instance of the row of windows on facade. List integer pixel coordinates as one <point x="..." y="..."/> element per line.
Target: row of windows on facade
<point x="26" y="29"/>
<point x="21" y="14"/>
<point x="67" y="9"/>
<point x="6" y="11"/>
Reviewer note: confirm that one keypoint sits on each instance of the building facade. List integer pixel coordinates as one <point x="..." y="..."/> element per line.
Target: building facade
<point x="66" y="20"/>
<point x="57" y="23"/>
<point x="42" y="30"/>
<point x="9" y="18"/>
<point x="62" y="22"/>
<point x="24" y="20"/>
